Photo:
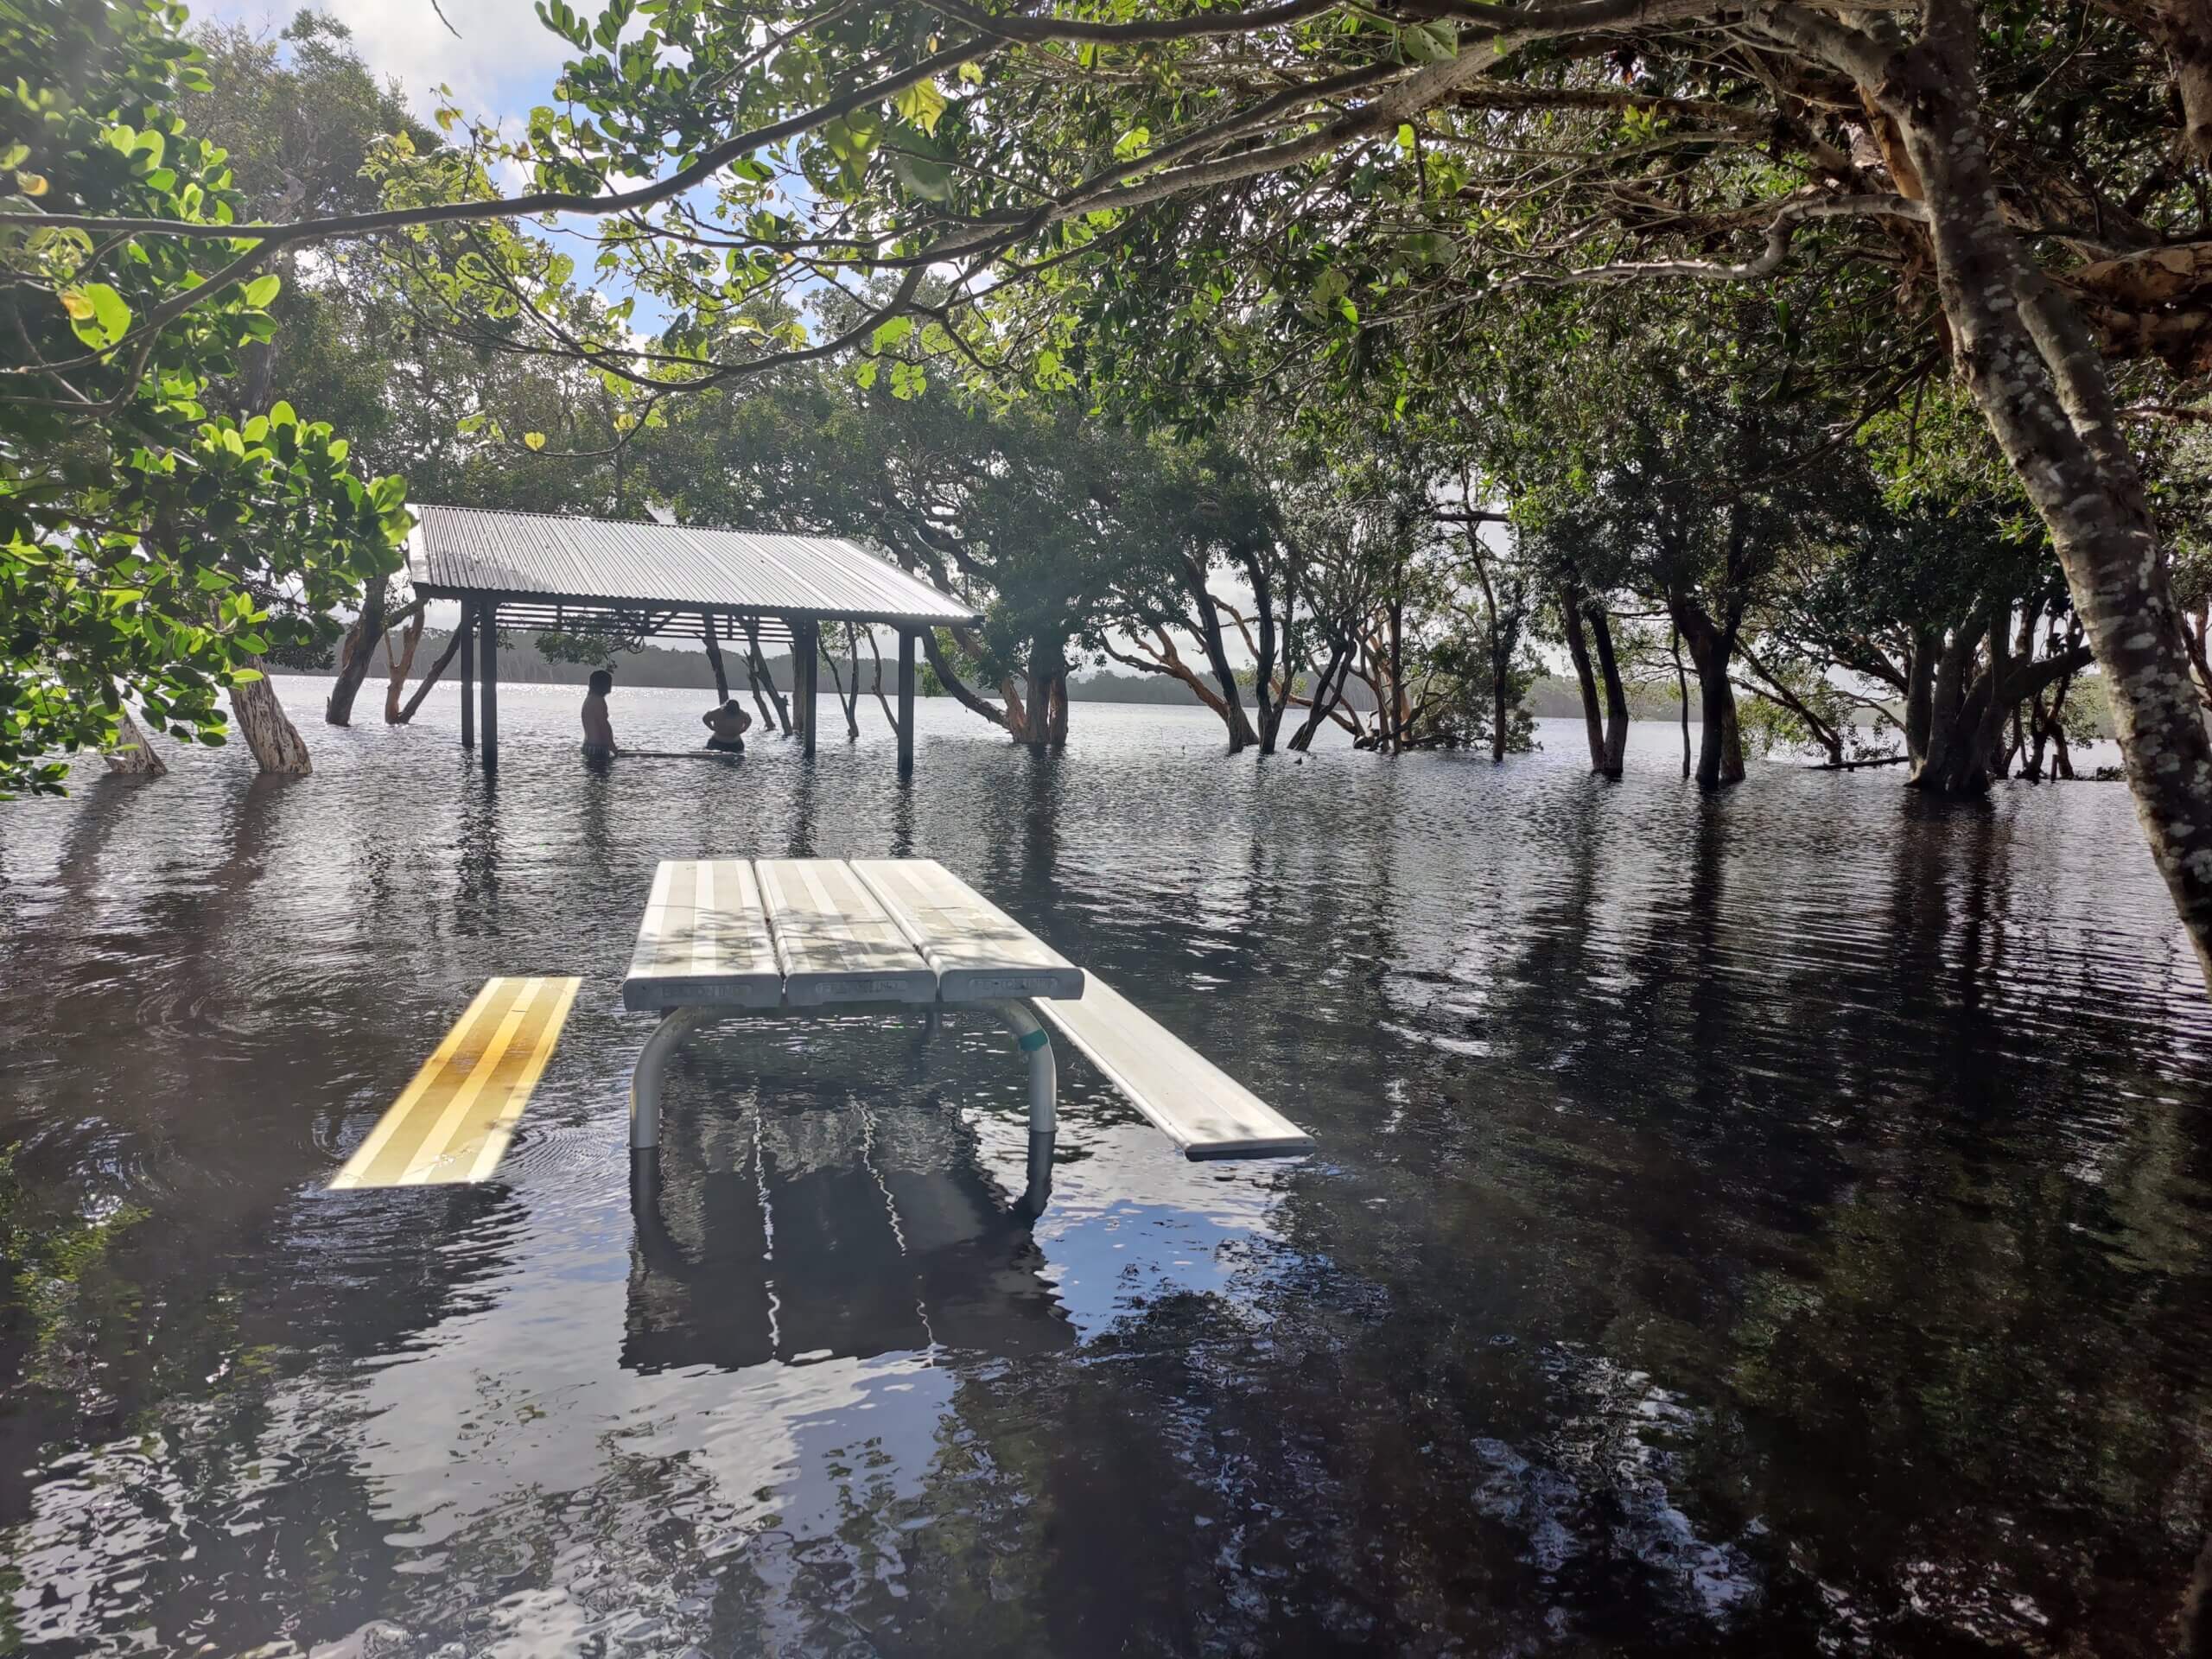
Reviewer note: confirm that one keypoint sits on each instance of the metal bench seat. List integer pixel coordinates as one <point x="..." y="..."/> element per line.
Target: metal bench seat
<point x="1187" y="1097"/>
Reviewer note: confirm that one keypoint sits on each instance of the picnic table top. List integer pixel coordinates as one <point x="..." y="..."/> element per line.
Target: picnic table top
<point x="799" y="933"/>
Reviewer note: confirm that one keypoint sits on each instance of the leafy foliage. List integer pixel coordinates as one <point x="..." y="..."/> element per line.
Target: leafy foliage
<point x="153" y="546"/>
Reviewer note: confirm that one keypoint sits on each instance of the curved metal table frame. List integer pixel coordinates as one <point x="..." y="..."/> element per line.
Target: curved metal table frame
<point x="1029" y="1032"/>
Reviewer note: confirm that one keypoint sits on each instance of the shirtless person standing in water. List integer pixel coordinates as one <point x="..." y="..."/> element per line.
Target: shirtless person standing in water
<point x="599" y="731"/>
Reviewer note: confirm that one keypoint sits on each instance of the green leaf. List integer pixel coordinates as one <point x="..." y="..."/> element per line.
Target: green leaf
<point x="1437" y="43"/>
<point x="921" y="104"/>
<point x="97" y="314"/>
<point x="892" y="332"/>
<point x="925" y="178"/>
<point x="262" y="290"/>
<point x="533" y="439"/>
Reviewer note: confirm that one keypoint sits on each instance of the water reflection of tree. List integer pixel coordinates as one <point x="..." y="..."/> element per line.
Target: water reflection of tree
<point x="1922" y="1292"/>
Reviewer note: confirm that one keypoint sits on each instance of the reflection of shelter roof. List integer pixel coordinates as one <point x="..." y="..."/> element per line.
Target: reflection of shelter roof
<point x="830" y="1232"/>
<point x="584" y="576"/>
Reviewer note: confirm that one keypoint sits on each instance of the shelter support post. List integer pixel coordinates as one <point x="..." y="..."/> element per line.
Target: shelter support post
<point x="806" y="652"/>
<point x="905" y="702"/>
<point x="488" y="615"/>
<point x="467" y="674"/>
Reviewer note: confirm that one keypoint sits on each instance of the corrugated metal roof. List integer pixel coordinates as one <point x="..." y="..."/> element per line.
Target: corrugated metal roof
<point x="458" y="552"/>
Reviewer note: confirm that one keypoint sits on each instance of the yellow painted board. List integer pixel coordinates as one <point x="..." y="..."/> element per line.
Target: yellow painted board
<point x="453" y="1122"/>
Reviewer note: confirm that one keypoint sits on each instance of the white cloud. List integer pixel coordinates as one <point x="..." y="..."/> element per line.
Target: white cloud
<point x="504" y="62"/>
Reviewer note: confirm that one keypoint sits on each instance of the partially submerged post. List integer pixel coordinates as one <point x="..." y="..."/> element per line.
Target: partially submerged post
<point x="468" y="674"/>
<point x="539" y="572"/>
<point x="806" y="651"/>
<point x="487" y="624"/>
<point x="905" y="702"/>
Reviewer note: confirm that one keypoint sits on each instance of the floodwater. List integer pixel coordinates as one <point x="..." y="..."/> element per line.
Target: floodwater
<point x="1775" y="1224"/>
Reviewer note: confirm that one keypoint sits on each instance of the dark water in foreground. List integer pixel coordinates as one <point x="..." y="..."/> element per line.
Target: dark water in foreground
<point x="1779" y="1224"/>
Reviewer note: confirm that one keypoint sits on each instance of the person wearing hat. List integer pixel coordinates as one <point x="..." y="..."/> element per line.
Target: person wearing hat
<point x="599" y="731"/>
<point x="726" y="727"/>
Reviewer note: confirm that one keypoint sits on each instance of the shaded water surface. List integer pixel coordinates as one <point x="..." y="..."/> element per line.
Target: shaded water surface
<point x="1775" y="1224"/>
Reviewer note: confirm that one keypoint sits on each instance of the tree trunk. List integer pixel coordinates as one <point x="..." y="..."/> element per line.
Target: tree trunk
<point x="1949" y="763"/>
<point x="1056" y="713"/>
<point x="410" y="638"/>
<point x="2193" y="636"/>
<point x="1608" y="674"/>
<point x="1967" y="721"/>
<point x="883" y="702"/>
<point x="1326" y="690"/>
<point x="1682" y="695"/>
<point x="269" y="732"/>
<point x="853" y="696"/>
<point x="846" y="705"/>
<point x="2039" y="381"/>
<point x="133" y="750"/>
<point x="707" y="627"/>
<point x="353" y="656"/>
<point x="961" y="691"/>
<point x="1395" y="731"/>
<point x="1241" y="734"/>
<point x="430" y="677"/>
<point x="1044" y="717"/>
<point x="1501" y="694"/>
<point x="1720" y="743"/>
<point x="1920" y="695"/>
<point x="1282" y="648"/>
<point x="2197" y="1608"/>
<point x="1578" y="648"/>
<point x="757" y="677"/>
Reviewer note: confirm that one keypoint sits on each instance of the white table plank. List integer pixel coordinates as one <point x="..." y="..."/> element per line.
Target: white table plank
<point x="980" y="953"/>
<point x="704" y="940"/>
<point x="835" y="941"/>
<point x="1190" y="1099"/>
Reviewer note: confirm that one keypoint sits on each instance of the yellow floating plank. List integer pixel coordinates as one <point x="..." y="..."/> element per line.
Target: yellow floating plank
<point x="453" y="1122"/>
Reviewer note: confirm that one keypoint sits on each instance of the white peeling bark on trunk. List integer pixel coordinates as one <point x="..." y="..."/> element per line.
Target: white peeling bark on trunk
<point x="2036" y="375"/>
<point x="276" y="744"/>
<point x="133" y="752"/>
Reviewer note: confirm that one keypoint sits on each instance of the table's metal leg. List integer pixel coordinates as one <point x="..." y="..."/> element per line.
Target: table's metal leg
<point x="1039" y="1192"/>
<point x="1044" y="1076"/>
<point x="1044" y="1099"/>
<point x="644" y="1082"/>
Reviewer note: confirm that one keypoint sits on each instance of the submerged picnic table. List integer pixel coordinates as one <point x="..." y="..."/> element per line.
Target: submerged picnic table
<point x="729" y="936"/>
